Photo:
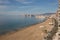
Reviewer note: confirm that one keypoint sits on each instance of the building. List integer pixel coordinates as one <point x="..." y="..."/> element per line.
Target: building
<point x="57" y="37"/>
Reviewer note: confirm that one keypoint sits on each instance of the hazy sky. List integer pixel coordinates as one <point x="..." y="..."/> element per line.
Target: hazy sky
<point x="16" y="7"/>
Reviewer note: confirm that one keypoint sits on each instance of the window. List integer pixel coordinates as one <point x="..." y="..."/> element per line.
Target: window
<point x="59" y="13"/>
<point x="59" y="34"/>
<point x="59" y="25"/>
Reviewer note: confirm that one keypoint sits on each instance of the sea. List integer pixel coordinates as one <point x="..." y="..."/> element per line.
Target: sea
<point x="10" y="23"/>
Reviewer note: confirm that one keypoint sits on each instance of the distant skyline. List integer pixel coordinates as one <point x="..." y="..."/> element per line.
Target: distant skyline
<point x="17" y="7"/>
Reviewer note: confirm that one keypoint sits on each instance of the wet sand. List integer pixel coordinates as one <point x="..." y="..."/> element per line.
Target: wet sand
<point x="34" y="32"/>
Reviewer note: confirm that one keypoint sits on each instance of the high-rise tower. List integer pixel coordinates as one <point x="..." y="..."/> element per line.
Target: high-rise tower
<point x="58" y="19"/>
<point x="57" y="37"/>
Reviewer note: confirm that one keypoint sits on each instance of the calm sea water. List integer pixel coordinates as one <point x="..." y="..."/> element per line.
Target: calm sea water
<point x="11" y="23"/>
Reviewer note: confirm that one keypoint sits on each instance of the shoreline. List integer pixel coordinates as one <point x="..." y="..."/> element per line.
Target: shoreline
<point x="16" y="30"/>
<point x="33" y="32"/>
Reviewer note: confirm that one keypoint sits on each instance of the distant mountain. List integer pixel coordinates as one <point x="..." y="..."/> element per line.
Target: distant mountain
<point x="47" y="13"/>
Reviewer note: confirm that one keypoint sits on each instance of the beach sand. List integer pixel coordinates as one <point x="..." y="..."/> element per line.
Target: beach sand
<point x="34" y="32"/>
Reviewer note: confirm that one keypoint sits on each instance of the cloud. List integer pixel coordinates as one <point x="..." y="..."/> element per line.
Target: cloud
<point x="4" y="1"/>
<point x="21" y="0"/>
<point x="24" y="1"/>
<point x="24" y="10"/>
<point x="3" y="7"/>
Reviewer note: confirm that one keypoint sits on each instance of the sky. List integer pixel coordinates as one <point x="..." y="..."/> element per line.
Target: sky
<point x="17" y="7"/>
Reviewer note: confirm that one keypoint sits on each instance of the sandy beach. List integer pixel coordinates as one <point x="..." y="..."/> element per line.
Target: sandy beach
<point x="34" y="32"/>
